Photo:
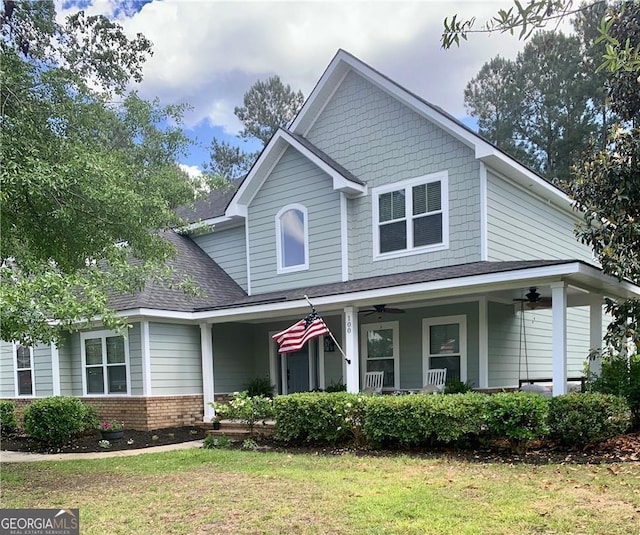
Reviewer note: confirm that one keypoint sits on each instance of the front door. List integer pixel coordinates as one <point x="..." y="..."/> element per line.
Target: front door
<point x="297" y="370"/>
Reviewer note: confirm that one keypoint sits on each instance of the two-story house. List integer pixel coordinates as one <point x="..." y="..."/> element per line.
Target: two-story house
<point x="421" y="245"/>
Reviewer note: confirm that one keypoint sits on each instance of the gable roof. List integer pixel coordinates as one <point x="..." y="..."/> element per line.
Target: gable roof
<point x="213" y="205"/>
<point x="344" y="62"/>
<point x="216" y="285"/>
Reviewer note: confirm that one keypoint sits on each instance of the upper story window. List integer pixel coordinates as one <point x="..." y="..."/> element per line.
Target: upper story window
<point x="292" y="238"/>
<point x="24" y="370"/>
<point x="411" y="216"/>
<point x="105" y="361"/>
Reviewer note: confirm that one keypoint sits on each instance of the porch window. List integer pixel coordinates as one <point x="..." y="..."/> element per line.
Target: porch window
<point x="292" y="239"/>
<point x="105" y="358"/>
<point x="445" y="346"/>
<point x="380" y="348"/>
<point x="411" y="216"/>
<point x="24" y="370"/>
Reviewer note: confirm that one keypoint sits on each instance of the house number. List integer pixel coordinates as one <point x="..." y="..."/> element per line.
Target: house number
<point x="349" y="324"/>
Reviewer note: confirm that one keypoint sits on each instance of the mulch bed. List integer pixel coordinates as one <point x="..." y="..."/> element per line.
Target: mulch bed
<point x="622" y="449"/>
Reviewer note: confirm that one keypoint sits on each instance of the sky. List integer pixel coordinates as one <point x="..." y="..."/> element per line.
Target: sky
<point x="208" y="53"/>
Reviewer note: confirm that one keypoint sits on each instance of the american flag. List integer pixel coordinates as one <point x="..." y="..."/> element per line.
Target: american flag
<point x="295" y="337"/>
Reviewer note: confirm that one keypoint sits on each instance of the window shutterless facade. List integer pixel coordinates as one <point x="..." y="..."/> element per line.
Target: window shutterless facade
<point x="24" y="370"/>
<point x="105" y="363"/>
<point x="292" y="239"/>
<point x="445" y="345"/>
<point x="411" y="217"/>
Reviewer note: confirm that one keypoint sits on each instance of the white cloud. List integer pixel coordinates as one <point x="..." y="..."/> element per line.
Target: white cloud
<point x="208" y="54"/>
<point x="192" y="170"/>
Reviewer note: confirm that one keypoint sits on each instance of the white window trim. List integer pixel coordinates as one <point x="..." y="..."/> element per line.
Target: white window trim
<point x="16" y="369"/>
<point x="280" y="262"/>
<point x="395" y="327"/>
<point x="461" y="320"/>
<point x="103" y="335"/>
<point x="443" y="178"/>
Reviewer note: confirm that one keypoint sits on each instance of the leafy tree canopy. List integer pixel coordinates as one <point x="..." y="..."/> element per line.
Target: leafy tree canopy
<point x="268" y="105"/>
<point x="88" y="176"/>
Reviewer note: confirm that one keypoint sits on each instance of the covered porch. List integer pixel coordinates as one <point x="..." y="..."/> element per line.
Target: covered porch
<point x="481" y="326"/>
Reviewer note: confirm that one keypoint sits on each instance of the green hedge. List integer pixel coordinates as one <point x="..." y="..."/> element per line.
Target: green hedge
<point x="56" y="420"/>
<point x="8" y="420"/>
<point x="318" y="417"/>
<point x="426" y="420"/>
<point x="579" y="420"/>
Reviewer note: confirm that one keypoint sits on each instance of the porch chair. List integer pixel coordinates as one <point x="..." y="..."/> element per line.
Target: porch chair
<point x="373" y="382"/>
<point x="434" y="381"/>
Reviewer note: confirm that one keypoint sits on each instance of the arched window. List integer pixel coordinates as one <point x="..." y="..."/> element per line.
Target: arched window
<point x="292" y="238"/>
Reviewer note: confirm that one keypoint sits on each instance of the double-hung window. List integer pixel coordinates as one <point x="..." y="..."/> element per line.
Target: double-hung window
<point x="105" y="359"/>
<point x="292" y="238"/>
<point x="410" y="217"/>
<point x="24" y="370"/>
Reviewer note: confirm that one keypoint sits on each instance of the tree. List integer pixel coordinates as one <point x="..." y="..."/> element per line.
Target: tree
<point x="606" y="183"/>
<point x="88" y="177"/>
<point x="227" y="161"/>
<point x="268" y="105"/>
<point x="537" y="107"/>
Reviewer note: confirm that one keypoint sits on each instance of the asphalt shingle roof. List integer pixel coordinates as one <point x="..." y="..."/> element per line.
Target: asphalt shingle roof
<point x="217" y="287"/>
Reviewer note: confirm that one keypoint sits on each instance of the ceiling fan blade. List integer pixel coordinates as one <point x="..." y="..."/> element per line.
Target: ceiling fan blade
<point x="394" y="310"/>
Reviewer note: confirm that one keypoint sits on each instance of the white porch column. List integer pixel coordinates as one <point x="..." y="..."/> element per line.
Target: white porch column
<point x="352" y="369"/>
<point x="595" y="331"/>
<point x="206" y="343"/>
<point x="559" y="337"/>
<point x="146" y="357"/>
<point x="483" y="342"/>
<point x="55" y="368"/>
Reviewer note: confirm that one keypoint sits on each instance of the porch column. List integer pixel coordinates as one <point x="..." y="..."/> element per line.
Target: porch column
<point x="595" y="331"/>
<point x="146" y="358"/>
<point x="206" y="344"/>
<point x="559" y="337"/>
<point x="483" y="343"/>
<point x="55" y="368"/>
<point x="352" y="369"/>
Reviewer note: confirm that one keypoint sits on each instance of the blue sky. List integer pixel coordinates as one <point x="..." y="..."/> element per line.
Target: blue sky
<point x="208" y="53"/>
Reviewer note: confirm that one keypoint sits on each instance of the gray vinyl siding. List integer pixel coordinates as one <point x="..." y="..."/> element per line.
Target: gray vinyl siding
<point x="135" y="360"/>
<point x="382" y="141"/>
<point x="70" y="362"/>
<point x="176" y="364"/>
<point x="509" y="353"/>
<point x="295" y="179"/>
<point x="42" y="371"/>
<point x="233" y="357"/>
<point x="333" y="361"/>
<point x="228" y="247"/>
<point x="7" y="370"/>
<point x="521" y="226"/>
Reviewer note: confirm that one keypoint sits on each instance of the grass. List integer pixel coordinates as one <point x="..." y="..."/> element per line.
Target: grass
<point x="231" y="491"/>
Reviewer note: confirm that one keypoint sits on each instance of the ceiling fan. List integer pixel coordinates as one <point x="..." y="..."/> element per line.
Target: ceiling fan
<point x="534" y="300"/>
<point x="382" y="309"/>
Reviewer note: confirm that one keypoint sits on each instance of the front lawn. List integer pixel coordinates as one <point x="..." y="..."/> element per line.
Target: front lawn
<point x="231" y="491"/>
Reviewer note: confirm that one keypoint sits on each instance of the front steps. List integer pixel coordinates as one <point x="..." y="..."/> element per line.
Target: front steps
<point x="238" y="431"/>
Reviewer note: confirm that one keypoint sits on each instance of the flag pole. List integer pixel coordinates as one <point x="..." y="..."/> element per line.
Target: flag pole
<point x="330" y="333"/>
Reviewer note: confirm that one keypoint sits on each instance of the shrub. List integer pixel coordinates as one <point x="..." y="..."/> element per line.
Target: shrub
<point x="582" y="419"/>
<point x="519" y="417"/>
<point x="246" y="408"/>
<point x="620" y="376"/>
<point x="425" y="419"/>
<point x="90" y="420"/>
<point x="338" y="387"/>
<point x="455" y="386"/>
<point x="332" y="418"/>
<point x="55" y="420"/>
<point x="8" y="421"/>
<point x="212" y="442"/>
<point x="260" y="386"/>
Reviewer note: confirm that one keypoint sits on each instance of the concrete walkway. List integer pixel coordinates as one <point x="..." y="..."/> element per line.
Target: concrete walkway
<point x="21" y="457"/>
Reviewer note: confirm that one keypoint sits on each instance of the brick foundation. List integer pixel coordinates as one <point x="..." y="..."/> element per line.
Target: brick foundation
<point x="142" y="413"/>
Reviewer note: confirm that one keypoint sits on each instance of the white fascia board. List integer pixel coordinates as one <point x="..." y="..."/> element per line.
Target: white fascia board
<point x="340" y="182"/>
<point x="222" y="221"/>
<point x="256" y="177"/>
<point x="461" y="284"/>
<point x="611" y="285"/>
